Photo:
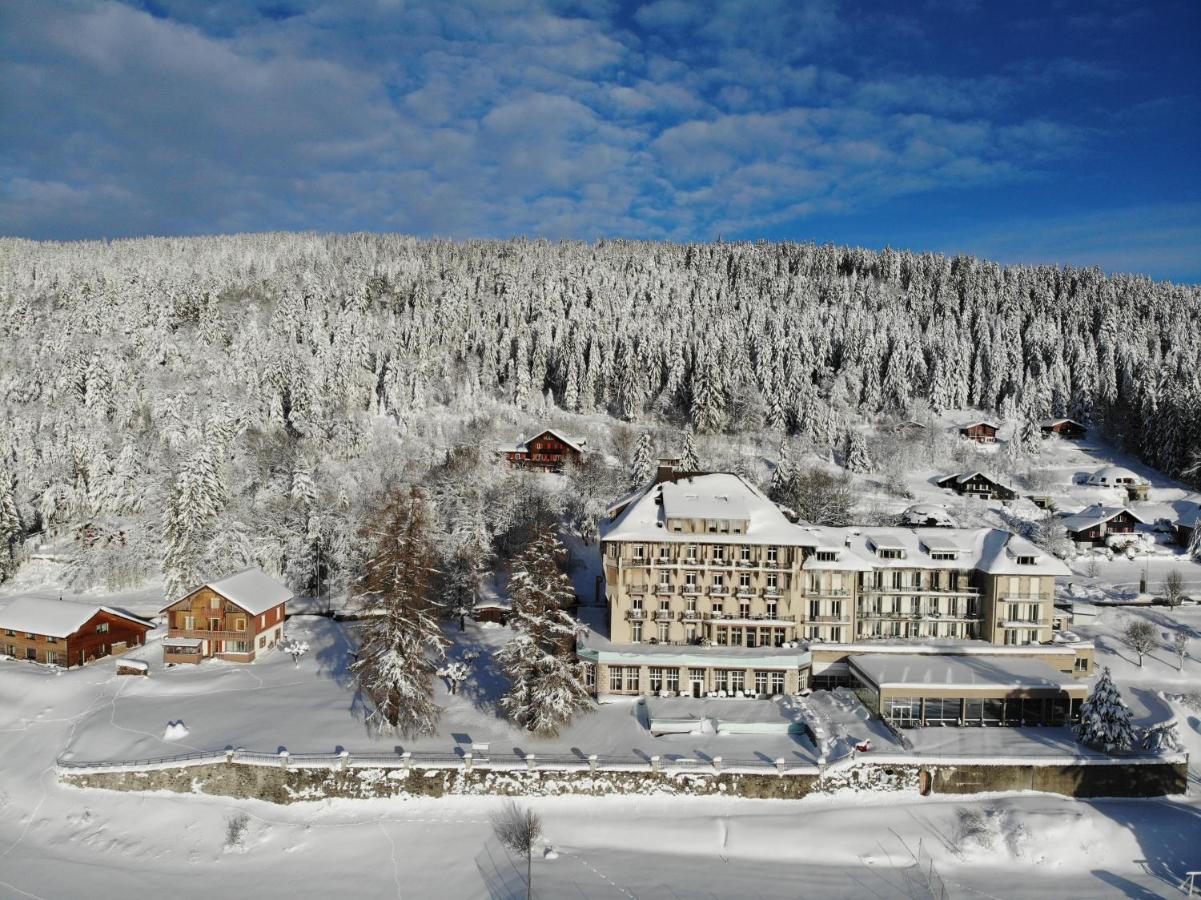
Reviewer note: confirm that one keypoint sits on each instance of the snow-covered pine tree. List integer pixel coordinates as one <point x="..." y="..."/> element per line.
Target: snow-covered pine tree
<point x="1162" y="737"/>
<point x="10" y="526"/>
<point x="642" y="469"/>
<point x="546" y="683"/>
<point x="708" y="403"/>
<point x="1105" y="717"/>
<point x="689" y="459"/>
<point x="401" y="637"/>
<point x="196" y="499"/>
<point x="781" y="476"/>
<point x="857" y="459"/>
<point x="459" y="583"/>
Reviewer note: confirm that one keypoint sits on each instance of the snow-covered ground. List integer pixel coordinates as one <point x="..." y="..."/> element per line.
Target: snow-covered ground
<point x="53" y="838"/>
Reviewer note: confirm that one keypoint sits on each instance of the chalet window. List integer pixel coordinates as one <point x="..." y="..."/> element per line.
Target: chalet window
<point x="189" y="623"/>
<point x="278" y="613"/>
<point x="52" y="658"/>
<point x="10" y="632"/>
<point x="262" y="621"/>
<point x="31" y="636"/>
<point x="236" y="647"/>
<point x="239" y="623"/>
<point x="51" y="640"/>
<point x="214" y="603"/>
<point x="262" y="642"/>
<point x="102" y="628"/>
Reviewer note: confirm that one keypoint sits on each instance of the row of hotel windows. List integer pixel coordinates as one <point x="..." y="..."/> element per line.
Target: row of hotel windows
<point x="733" y="636"/>
<point x="717" y="552"/>
<point x="915" y="629"/>
<point x="917" y="605"/>
<point x="1000" y="711"/>
<point x="661" y="678"/>
<point x="772" y="580"/>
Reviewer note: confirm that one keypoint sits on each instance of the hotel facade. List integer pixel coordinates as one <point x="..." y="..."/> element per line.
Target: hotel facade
<point x="711" y="589"/>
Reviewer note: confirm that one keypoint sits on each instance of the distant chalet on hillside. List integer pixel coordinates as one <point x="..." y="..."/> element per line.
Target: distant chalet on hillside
<point x="977" y="484"/>
<point x="982" y="432"/>
<point x="1068" y="429"/>
<point x="65" y="634"/>
<point x="546" y="451"/>
<point x="1093" y="524"/>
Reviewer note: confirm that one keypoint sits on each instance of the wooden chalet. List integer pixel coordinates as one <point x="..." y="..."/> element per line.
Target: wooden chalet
<point x="977" y="484"/>
<point x="1068" y="429"/>
<point x="235" y="619"/>
<point x="60" y="633"/>
<point x="1093" y="524"/>
<point x="982" y="432"/>
<point x="546" y="451"/>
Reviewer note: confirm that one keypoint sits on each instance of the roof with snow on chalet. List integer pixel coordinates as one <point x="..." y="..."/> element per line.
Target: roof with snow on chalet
<point x="1051" y="423"/>
<point x="1092" y="516"/>
<point x="973" y="424"/>
<point x="968" y="476"/>
<point x="929" y="511"/>
<point x="923" y="670"/>
<point x="714" y="495"/>
<point x="251" y="589"/>
<point x="55" y="618"/>
<point x="1114" y="475"/>
<point x="575" y="443"/>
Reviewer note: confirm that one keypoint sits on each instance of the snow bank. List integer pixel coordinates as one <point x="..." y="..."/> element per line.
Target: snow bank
<point x="175" y="731"/>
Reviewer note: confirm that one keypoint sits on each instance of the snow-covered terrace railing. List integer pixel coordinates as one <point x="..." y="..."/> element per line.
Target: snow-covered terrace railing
<point x="607" y="763"/>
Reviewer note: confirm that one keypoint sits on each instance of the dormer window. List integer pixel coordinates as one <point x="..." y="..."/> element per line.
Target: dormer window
<point x="890" y="553"/>
<point x="827" y="555"/>
<point x="1026" y="560"/>
<point x="944" y="555"/>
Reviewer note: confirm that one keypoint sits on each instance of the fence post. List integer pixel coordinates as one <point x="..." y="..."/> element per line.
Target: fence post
<point x="406" y="759"/>
<point x="529" y="761"/>
<point x="592" y="763"/>
<point x="654" y="763"/>
<point x="717" y="764"/>
<point x="283" y="758"/>
<point x="229" y="754"/>
<point x="467" y="762"/>
<point x="780" y="766"/>
<point x="344" y="759"/>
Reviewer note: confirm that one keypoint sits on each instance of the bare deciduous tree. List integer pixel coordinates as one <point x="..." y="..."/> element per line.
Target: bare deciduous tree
<point x="1180" y="645"/>
<point x="1172" y="589"/>
<point x="519" y="829"/>
<point x="1140" y="635"/>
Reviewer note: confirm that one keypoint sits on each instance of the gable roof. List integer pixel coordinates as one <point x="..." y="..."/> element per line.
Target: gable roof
<point x="1051" y="423"/>
<point x="574" y="443"/>
<point x="251" y="589"/>
<point x="968" y="476"/>
<point x="967" y="425"/>
<point x="1092" y="516"/>
<point x="56" y="618"/>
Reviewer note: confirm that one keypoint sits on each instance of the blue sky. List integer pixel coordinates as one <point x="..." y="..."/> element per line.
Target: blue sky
<point x="1027" y="132"/>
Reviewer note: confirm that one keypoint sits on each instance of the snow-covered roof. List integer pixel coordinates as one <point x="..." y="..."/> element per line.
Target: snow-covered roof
<point x="949" y="647"/>
<point x="979" y="422"/>
<point x="928" y="511"/>
<point x="988" y="550"/>
<point x="717" y="495"/>
<point x="969" y="672"/>
<point x="186" y="643"/>
<point x="1050" y="423"/>
<point x="1092" y="516"/>
<point x="55" y="618"/>
<point x="968" y="476"/>
<point x="695" y="498"/>
<point x="252" y="589"/>
<point x="1114" y="475"/>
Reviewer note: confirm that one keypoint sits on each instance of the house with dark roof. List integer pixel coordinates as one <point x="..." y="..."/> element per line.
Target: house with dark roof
<point x="977" y="484"/>
<point x="62" y="633"/>
<point x="546" y="451"/>
<point x="1093" y="524"/>
<point x="1068" y="429"/>
<point x="235" y="618"/>
<point x="982" y="431"/>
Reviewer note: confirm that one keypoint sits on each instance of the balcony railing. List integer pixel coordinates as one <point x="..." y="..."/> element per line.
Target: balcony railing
<point x="1019" y="597"/>
<point x="719" y="592"/>
<point x="205" y="634"/>
<point x="841" y="619"/>
<point x="690" y="615"/>
<point x="635" y="613"/>
<point x="663" y="615"/>
<point x="663" y="588"/>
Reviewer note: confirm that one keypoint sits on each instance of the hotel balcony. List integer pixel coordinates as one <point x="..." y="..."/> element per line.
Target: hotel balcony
<point x="690" y="615"/>
<point x="664" y="615"/>
<point x="635" y="613"/>
<point x="825" y="620"/>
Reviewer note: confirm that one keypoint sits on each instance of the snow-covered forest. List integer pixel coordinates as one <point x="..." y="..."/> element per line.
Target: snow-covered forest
<point x="192" y="405"/>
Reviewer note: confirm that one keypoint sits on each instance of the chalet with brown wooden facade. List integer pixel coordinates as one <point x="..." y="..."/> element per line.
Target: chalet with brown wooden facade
<point x="61" y="633"/>
<point x="977" y="484"/>
<point x="546" y="451"/>
<point x="1093" y="524"/>
<point x="982" y="432"/>
<point x="235" y="619"/>
<point x="1068" y="429"/>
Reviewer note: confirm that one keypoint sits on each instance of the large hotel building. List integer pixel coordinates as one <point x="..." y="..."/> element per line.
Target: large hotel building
<point x="712" y="590"/>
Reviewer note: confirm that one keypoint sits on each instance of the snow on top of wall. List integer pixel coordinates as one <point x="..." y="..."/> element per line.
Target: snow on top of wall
<point x="54" y="618"/>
